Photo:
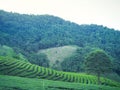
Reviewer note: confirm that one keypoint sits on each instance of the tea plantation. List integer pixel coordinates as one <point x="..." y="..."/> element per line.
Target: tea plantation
<point x="13" y="67"/>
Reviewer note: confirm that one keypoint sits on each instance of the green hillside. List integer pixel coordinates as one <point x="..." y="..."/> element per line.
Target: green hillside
<point x="29" y="43"/>
<point x="18" y="68"/>
<point x="20" y="83"/>
<point x="27" y="34"/>
<point x="59" y="53"/>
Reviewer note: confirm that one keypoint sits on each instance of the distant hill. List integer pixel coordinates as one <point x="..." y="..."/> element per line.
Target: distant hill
<point x="28" y="34"/>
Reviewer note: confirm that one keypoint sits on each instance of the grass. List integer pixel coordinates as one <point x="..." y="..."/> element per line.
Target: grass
<point x="8" y="51"/>
<point x="59" y="53"/>
<point x="15" y="67"/>
<point x="20" y="83"/>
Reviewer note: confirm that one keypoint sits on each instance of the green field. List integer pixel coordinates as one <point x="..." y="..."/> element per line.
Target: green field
<point x="15" y="67"/>
<point x="59" y="53"/>
<point x="20" y="83"/>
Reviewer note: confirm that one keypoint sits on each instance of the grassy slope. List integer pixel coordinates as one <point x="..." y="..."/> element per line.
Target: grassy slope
<point x="19" y="83"/>
<point x="8" y="51"/>
<point x="5" y="50"/>
<point x="59" y="53"/>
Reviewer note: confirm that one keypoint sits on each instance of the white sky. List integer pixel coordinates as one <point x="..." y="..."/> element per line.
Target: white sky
<point x="101" y="12"/>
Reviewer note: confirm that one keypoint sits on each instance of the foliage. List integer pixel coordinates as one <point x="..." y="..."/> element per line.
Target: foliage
<point x="98" y="62"/>
<point x="39" y="59"/>
<point x="74" y="63"/>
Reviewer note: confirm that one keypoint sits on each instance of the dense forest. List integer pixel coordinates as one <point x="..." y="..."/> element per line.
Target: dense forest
<point x="27" y="34"/>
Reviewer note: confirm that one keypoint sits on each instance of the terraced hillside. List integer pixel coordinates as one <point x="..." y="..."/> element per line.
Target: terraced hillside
<point x="19" y="68"/>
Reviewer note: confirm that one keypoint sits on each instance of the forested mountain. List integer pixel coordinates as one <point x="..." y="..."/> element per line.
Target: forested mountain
<point x="27" y="34"/>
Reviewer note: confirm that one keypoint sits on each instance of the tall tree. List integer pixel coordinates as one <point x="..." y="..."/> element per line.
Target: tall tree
<point x="98" y="62"/>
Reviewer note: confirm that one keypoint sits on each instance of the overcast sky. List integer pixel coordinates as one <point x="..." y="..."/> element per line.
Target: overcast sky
<point x="101" y="12"/>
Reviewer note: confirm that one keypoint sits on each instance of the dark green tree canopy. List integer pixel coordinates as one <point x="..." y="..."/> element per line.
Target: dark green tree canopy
<point x="98" y="62"/>
<point x="39" y="59"/>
